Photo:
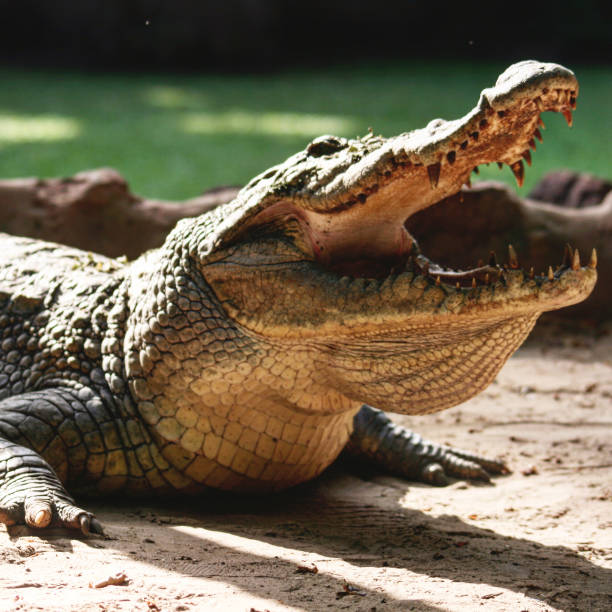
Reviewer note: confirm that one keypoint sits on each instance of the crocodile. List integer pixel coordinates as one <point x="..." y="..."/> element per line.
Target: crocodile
<point x="250" y="350"/>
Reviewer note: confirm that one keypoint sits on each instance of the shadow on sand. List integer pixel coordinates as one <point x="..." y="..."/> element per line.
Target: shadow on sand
<point x="328" y="518"/>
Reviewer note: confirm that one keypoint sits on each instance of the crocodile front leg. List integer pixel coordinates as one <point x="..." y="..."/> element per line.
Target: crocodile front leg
<point x="46" y="437"/>
<point x="404" y="453"/>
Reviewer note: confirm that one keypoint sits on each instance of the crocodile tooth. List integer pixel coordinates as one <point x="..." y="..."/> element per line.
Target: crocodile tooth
<point x="492" y="259"/>
<point x="512" y="258"/>
<point x="532" y="144"/>
<point x="437" y="281"/>
<point x="538" y="135"/>
<point x="593" y="260"/>
<point x="487" y="278"/>
<point x="531" y="273"/>
<point x="500" y="165"/>
<point x="567" y="113"/>
<point x="551" y="274"/>
<point x="476" y="170"/>
<point x="433" y="170"/>
<point x="519" y="172"/>
<point x="538" y="102"/>
<point x="572" y="101"/>
<point x="468" y="183"/>
<point x="541" y="123"/>
<point x="576" y="260"/>
<point x="457" y="285"/>
<point x="473" y="282"/>
<point x="527" y="156"/>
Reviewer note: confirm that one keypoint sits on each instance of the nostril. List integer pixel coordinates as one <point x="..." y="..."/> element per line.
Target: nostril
<point x="326" y="145"/>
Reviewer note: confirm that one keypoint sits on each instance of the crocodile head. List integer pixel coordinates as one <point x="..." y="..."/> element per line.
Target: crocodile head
<point x="315" y="252"/>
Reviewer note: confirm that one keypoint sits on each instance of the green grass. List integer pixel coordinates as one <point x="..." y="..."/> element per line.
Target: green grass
<point x="174" y="136"/>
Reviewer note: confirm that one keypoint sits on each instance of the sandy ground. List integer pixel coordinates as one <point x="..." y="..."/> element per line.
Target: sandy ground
<point x="539" y="539"/>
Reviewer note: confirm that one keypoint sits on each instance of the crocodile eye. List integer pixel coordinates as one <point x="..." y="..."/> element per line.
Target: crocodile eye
<point x="326" y="145"/>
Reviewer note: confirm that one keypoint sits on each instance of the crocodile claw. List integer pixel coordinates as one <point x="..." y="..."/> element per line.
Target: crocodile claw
<point x="434" y="474"/>
<point x="90" y="524"/>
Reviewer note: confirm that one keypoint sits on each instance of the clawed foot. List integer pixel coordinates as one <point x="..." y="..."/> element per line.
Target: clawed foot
<point x="404" y="453"/>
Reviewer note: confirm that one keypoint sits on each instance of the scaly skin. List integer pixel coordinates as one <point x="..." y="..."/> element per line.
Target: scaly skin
<point x="240" y="354"/>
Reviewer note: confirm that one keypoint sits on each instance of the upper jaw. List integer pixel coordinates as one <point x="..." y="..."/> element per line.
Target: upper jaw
<point x="500" y="128"/>
<point x="374" y="197"/>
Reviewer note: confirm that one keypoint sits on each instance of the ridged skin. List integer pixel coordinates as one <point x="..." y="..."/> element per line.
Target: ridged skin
<point x="103" y="377"/>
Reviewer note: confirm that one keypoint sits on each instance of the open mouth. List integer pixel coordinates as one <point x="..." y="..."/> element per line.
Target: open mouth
<point x="362" y="232"/>
<point x="346" y="204"/>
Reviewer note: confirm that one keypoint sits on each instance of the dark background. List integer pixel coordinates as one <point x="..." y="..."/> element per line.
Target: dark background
<point x="263" y="35"/>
